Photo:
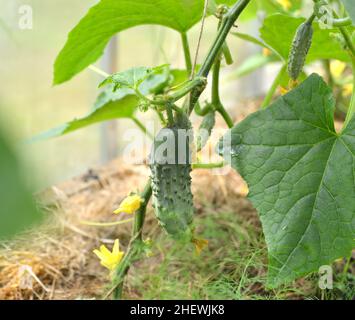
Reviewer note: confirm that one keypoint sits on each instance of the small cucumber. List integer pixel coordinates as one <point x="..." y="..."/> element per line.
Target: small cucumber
<point x="170" y="165"/>
<point x="299" y="49"/>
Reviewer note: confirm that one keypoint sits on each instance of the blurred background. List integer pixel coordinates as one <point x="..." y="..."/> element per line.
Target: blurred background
<point x="29" y="104"/>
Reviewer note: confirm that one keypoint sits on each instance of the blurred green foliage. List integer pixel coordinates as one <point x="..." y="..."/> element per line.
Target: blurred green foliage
<point x="17" y="207"/>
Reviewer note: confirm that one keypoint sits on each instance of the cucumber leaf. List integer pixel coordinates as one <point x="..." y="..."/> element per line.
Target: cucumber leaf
<point x="118" y="100"/>
<point x="109" y="105"/>
<point x="301" y="177"/>
<point x="324" y="46"/>
<point x="18" y="209"/>
<point x="86" y="42"/>
<point x="131" y="78"/>
<point x="350" y="8"/>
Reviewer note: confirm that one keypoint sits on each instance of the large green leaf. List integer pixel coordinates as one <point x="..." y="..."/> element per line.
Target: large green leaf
<point x="86" y="42"/>
<point x="17" y="209"/>
<point x="350" y="7"/>
<point x="109" y="105"/>
<point x="324" y="46"/>
<point x="301" y="177"/>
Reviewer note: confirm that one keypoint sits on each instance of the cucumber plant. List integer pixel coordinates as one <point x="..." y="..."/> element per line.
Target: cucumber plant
<point x="299" y="169"/>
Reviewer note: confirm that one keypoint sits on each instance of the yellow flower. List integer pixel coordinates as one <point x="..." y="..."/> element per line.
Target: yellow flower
<point x="283" y="90"/>
<point x="244" y="190"/>
<point x="348" y="89"/>
<point x="266" y="52"/>
<point x="130" y="204"/>
<point x="286" y="4"/>
<point x="337" y="68"/>
<point x="110" y="260"/>
<point x="200" y="244"/>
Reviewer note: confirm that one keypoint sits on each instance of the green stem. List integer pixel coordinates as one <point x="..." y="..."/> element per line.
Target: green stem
<point x="273" y="87"/>
<point x="351" y="109"/>
<point x="208" y="165"/>
<point x="140" y="214"/>
<point x="134" y="247"/>
<point x="142" y="127"/>
<point x="198" y="82"/>
<point x="216" y="100"/>
<point x="227" y="54"/>
<point x="351" y="50"/>
<point x="330" y="79"/>
<point x="347" y="38"/>
<point x="347" y="265"/>
<point x="161" y="117"/>
<point x="341" y="22"/>
<point x="187" y="53"/>
<point x="226" y="25"/>
<point x="169" y="112"/>
<point x="202" y="111"/>
<point x="225" y="115"/>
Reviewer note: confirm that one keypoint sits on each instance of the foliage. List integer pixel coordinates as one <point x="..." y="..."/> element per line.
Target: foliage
<point x="324" y="46"/>
<point x="118" y="100"/>
<point x="18" y="209"/>
<point x="110" y="17"/>
<point x="300" y="177"/>
<point x="299" y="169"/>
<point x="349" y="5"/>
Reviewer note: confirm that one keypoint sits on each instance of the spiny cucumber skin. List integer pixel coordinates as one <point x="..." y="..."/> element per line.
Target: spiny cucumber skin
<point x="172" y="197"/>
<point x="299" y="49"/>
<point x="171" y="185"/>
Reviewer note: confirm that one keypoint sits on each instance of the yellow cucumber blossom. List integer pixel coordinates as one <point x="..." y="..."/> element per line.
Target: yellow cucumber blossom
<point x="348" y="89"/>
<point x="108" y="259"/>
<point x="286" y="4"/>
<point x="130" y="204"/>
<point x="283" y="90"/>
<point x="267" y="52"/>
<point x="200" y="244"/>
<point x="337" y="68"/>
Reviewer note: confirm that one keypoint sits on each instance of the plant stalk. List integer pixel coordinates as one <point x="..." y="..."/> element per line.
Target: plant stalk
<point x="208" y="165"/>
<point x="230" y="18"/>
<point x="273" y="88"/>
<point x="134" y="248"/>
<point x="351" y="50"/>
<point x="351" y="110"/>
<point x="142" y="127"/>
<point x="202" y="111"/>
<point x="216" y="100"/>
<point x="187" y="53"/>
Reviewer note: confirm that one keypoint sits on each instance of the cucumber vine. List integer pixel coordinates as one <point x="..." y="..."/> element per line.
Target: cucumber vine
<point x="299" y="170"/>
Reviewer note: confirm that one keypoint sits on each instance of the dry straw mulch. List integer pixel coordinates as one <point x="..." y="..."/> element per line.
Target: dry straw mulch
<point x="55" y="260"/>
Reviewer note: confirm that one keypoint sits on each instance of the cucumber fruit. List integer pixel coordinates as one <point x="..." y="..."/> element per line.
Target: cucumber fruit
<point x="170" y="165"/>
<point x="299" y="49"/>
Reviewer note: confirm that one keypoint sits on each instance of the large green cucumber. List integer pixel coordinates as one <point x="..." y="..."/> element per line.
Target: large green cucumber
<point x="170" y="176"/>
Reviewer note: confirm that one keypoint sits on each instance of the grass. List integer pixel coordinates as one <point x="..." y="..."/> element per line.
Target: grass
<point x="232" y="267"/>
